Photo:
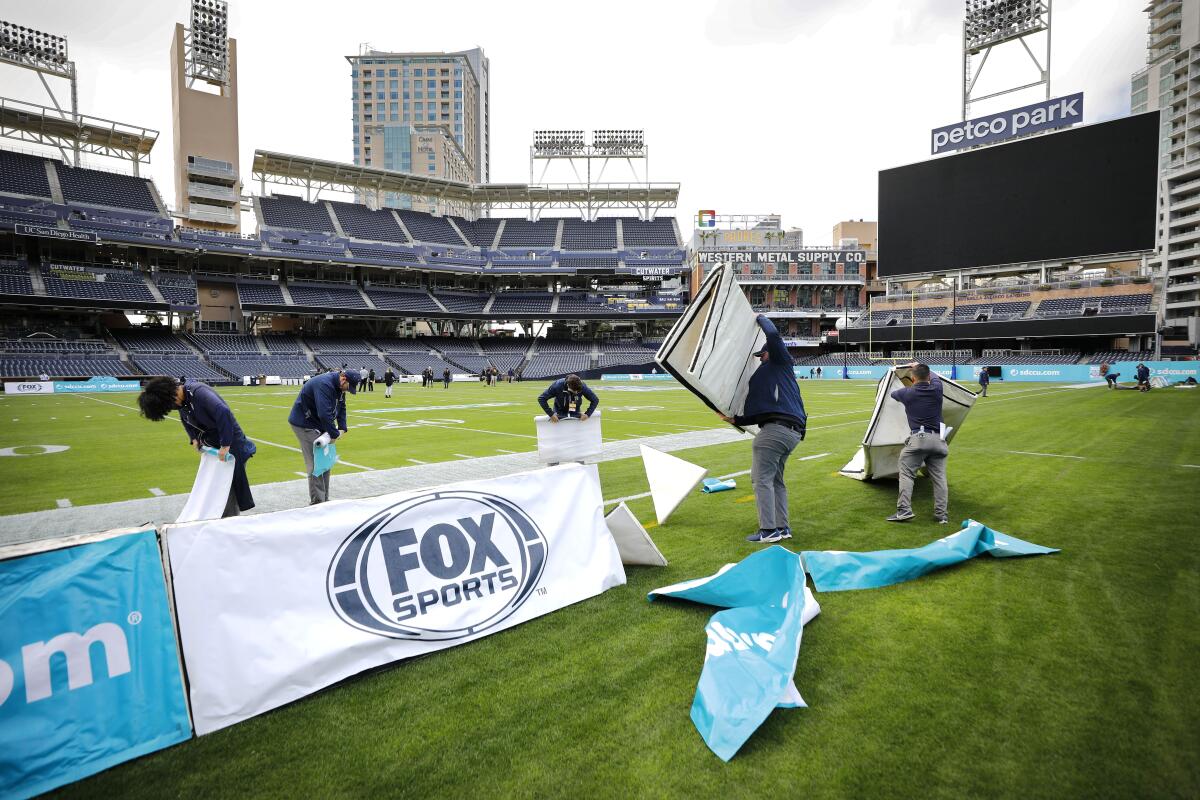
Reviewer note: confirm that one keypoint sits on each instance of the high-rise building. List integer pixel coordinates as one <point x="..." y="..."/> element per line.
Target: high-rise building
<point x="422" y="113"/>
<point x="1170" y="83"/>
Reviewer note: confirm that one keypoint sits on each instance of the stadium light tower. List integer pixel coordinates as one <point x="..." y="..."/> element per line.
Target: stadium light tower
<point x="206" y="44"/>
<point x="607" y="145"/>
<point x="45" y="54"/>
<point x="989" y="24"/>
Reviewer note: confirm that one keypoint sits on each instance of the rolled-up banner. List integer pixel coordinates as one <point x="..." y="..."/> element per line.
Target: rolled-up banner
<point x="89" y="668"/>
<point x="276" y="606"/>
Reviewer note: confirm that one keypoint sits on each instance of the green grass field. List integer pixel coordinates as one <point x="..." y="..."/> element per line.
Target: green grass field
<point x="1071" y="675"/>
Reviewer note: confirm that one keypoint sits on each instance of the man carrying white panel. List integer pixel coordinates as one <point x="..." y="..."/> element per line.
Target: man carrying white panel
<point x="925" y="445"/>
<point x="774" y="404"/>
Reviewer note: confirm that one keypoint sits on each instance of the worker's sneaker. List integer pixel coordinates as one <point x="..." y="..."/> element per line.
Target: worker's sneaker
<point x="764" y="536"/>
<point x="901" y="516"/>
<point x="942" y="521"/>
<point x="784" y="532"/>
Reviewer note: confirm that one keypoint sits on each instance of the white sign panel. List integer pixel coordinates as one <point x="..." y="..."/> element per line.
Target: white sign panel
<point x="276" y="606"/>
<point x="709" y="348"/>
<point x="29" y="387"/>
<point x="568" y="439"/>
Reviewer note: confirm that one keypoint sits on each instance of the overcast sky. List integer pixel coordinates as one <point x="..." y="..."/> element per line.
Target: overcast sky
<point x="753" y="106"/>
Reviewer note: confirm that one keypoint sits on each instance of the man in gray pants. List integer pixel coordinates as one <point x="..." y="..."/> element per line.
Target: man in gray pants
<point x="318" y="417"/>
<point x="924" y="445"/>
<point x="773" y="403"/>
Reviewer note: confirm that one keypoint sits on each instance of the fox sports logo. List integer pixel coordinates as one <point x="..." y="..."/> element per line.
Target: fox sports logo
<point x="440" y="566"/>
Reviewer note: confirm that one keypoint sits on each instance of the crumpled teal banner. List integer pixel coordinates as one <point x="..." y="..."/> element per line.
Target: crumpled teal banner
<point x="838" y="570"/>
<point x="752" y="647"/>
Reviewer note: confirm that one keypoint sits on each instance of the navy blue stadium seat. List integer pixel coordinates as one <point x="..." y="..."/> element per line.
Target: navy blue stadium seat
<point x="284" y="211"/>
<point x="428" y="228"/>
<point x="22" y="174"/>
<point x="360" y="222"/>
<point x="91" y="186"/>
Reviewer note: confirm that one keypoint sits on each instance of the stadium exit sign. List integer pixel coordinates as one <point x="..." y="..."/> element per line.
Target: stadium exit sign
<point x="1060" y="112"/>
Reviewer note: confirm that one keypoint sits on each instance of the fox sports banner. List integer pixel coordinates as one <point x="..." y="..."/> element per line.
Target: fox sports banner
<point x="276" y="606"/>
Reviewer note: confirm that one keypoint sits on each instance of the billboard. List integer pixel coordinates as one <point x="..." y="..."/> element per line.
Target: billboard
<point x="1060" y="112"/>
<point x="849" y="256"/>
<point x="1082" y="192"/>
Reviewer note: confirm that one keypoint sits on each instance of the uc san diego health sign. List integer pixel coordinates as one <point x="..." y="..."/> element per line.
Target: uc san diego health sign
<point x="1060" y="112"/>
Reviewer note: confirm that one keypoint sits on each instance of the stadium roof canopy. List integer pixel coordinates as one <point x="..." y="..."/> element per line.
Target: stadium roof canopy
<point x="320" y="174"/>
<point x="38" y="124"/>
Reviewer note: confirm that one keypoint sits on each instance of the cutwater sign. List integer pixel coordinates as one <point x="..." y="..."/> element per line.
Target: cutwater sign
<point x="1060" y="112"/>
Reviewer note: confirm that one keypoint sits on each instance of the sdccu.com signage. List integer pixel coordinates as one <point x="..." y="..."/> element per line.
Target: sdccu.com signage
<point x="276" y="606"/>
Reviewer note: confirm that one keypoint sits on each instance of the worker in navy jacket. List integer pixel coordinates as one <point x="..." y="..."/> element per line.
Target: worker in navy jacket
<point x="567" y="393"/>
<point x="774" y="404"/>
<point x="1143" y="377"/>
<point x="209" y="422"/>
<point x="924" y="447"/>
<point x="318" y="417"/>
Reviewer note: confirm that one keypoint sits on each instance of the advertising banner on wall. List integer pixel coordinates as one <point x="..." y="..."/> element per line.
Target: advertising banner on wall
<point x="29" y="387"/>
<point x="99" y="384"/>
<point x="89" y="669"/>
<point x="848" y="256"/>
<point x="273" y="607"/>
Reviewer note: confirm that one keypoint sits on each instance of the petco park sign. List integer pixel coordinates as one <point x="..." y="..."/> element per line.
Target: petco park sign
<point x="1046" y="115"/>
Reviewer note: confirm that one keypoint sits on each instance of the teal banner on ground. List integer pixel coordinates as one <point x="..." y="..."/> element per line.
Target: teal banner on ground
<point x="649" y="376"/>
<point x="99" y="384"/>
<point x="750" y="659"/>
<point x="838" y="570"/>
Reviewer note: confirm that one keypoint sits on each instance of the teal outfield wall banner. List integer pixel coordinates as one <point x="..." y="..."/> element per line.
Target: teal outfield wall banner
<point x="1172" y="371"/>
<point x="104" y="384"/>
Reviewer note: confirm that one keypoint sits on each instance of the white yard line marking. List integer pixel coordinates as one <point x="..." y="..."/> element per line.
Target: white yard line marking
<point x="418" y="461"/>
<point x="461" y="407"/>
<point x="502" y="450"/>
<point x="1191" y="466"/>
<point x="426" y="424"/>
<point x="63" y="503"/>
<point x="460" y="455"/>
<point x="1047" y="455"/>
<point x="108" y="402"/>
<point x="298" y="450"/>
<point x="157" y="492"/>
<point x="301" y="474"/>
